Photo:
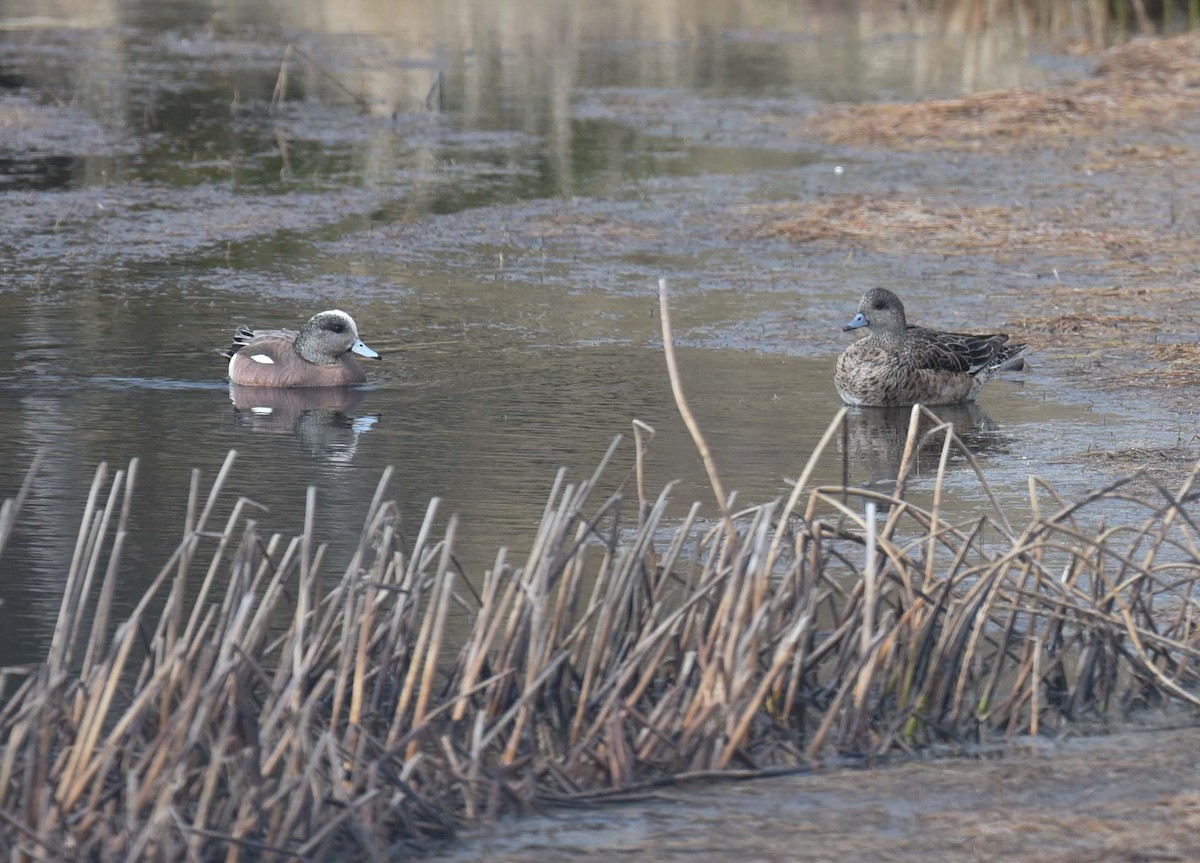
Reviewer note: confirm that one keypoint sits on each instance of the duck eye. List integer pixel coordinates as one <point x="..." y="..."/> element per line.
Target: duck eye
<point x="878" y="305"/>
<point x="337" y="327"/>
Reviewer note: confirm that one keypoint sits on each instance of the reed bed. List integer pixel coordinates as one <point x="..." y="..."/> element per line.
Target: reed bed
<point x="266" y="711"/>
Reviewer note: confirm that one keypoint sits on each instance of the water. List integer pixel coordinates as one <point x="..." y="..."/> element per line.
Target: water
<point x="497" y="236"/>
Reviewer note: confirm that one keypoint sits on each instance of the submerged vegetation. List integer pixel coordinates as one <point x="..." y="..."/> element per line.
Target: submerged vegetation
<point x="253" y="708"/>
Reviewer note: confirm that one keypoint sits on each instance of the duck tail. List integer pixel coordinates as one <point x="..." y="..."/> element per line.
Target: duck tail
<point x="1011" y="358"/>
<point x="241" y="337"/>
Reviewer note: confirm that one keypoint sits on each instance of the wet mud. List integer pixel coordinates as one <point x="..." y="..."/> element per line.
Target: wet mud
<point x="1118" y="799"/>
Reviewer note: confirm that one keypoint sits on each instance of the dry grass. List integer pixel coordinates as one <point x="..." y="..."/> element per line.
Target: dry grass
<point x="1179" y="354"/>
<point x="885" y="224"/>
<point x="1078" y="323"/>
<point x="269" y="718"/>
<point x="1176" y="367"/>
<point x="1122" y="157"/>
<point x="1142" y="85"/>
<point x="1088" y="334"/>
<point x="1152" y="463"/>
<point x="899" y="226"/>
<point x="1000" y="117"/>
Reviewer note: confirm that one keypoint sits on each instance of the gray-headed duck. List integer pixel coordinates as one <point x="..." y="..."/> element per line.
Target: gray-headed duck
<point x="316" y="356"/>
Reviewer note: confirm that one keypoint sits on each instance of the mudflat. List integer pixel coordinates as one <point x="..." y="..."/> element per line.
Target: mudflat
<point x="1131" y="796"/>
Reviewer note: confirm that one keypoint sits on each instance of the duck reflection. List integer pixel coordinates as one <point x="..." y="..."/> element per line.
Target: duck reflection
<point x="872" y="443"/>
<point x="319" y="417"/>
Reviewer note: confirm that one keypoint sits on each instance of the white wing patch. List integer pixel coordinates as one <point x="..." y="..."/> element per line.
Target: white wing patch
<point x="262" y="358"/>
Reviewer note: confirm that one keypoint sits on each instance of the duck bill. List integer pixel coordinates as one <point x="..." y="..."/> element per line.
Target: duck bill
<point x="362" y="350"/>
<point x="859" y="320"/>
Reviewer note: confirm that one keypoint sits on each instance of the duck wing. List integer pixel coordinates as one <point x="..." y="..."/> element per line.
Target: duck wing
<point x="243" y="336"/>
<point x="960" y="352"/>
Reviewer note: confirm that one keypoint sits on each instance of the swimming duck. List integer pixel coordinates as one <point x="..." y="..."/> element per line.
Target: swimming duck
<point x="316" y="356"/>
<point x="901" y="364"/>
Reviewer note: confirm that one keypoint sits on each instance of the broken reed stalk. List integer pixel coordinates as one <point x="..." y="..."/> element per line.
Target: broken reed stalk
<point x="689" y="420"/>
<point x="279" y="94"/>
<point x="289" y="712"/>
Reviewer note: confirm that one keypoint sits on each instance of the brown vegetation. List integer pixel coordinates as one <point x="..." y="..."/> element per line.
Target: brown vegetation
<point x="265" y="714"/>
<point x="892" y="225"/>
<point x="1142" y="85"/>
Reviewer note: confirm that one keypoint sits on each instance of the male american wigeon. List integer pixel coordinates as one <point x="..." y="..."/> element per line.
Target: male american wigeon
<point x="900" y="364"/>
<point x="317" y="356"/>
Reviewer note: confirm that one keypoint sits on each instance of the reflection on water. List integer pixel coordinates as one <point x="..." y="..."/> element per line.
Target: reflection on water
<point x="319" y="418"/>
<point x="874" y="440"/>
<point x="184" y="94"/>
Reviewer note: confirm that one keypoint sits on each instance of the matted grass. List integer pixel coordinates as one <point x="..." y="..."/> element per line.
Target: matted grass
<point x="1142" y="84"/>
<point x="899" y="225"/>
<point x="275" y="716"/>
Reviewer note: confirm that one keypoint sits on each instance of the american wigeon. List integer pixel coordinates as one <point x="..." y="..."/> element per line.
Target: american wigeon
<point x="900" y="364"/>
<point x="317" y="356"/>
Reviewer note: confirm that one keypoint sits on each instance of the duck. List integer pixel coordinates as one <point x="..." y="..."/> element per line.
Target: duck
<point x="898" y="364"/>
<point x="316" y="356"/>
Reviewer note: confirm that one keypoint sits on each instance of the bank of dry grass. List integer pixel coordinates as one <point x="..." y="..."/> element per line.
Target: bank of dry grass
<point x="1143" y="85"/>
<point x="264" y="713"/>
<point x="898" y="225"/>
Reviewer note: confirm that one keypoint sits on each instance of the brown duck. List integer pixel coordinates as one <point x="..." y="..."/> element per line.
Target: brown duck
<point x="901" y="364"/>
<point x="316" y="356"/>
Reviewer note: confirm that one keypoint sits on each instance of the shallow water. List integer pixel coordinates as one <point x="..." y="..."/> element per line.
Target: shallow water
<point x="497" y="235"/>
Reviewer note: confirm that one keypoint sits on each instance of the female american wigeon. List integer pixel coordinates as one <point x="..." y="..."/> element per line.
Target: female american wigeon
<point x="899" y="364"/>
<point x="317" y="356"/>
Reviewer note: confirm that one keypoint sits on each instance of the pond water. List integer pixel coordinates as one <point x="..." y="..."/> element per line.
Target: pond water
<point x="474" y="184"/>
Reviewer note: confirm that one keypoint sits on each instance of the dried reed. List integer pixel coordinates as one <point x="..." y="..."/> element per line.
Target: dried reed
<point x="276" y="717"/>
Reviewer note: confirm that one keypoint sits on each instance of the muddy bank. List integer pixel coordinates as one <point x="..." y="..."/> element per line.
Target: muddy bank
<point x="1145" y="87"/>
<point x="1127" y="797"/>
